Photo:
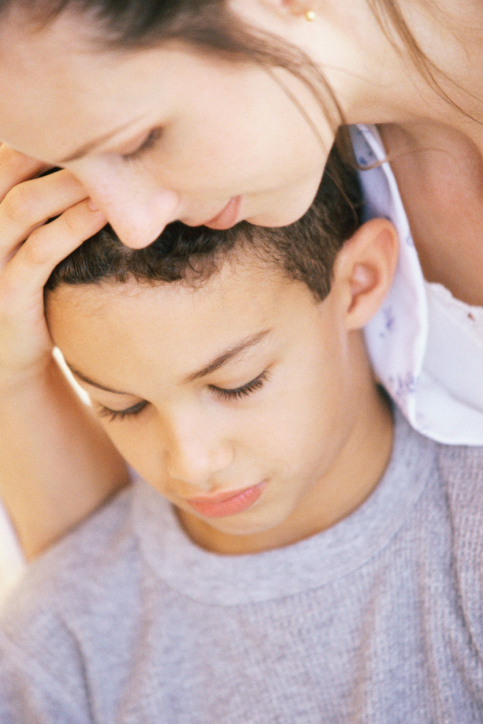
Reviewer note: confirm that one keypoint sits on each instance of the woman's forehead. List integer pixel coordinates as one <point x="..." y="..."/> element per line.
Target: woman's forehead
<point x="57" y="80"/>
<point x="54" y="81"/>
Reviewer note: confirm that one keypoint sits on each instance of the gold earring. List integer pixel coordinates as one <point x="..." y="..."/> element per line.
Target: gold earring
<point x="310" y="15"/>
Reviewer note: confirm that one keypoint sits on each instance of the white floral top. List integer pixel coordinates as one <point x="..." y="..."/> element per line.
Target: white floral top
<point x="426" y="346"/>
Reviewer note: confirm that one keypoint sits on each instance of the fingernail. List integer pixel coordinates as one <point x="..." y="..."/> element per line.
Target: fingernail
<point x="92" y="205"/>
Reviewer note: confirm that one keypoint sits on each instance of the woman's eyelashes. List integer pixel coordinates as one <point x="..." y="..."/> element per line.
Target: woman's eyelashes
<point x="149" y="142"/>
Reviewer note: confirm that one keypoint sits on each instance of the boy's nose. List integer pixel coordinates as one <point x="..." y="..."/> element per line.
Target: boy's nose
<point x="196" y="458"/>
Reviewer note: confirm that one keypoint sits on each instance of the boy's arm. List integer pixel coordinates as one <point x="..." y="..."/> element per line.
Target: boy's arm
<point x="56" y="464"/>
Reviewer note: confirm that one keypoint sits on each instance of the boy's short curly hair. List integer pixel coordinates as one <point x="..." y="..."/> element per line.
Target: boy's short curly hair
<point x="305" y="250"/>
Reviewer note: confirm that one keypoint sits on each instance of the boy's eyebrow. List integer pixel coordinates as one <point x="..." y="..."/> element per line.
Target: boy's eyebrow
<point x="93" y="383"/>
<point x="215" y="364"/>
<point x="228" y="355"/>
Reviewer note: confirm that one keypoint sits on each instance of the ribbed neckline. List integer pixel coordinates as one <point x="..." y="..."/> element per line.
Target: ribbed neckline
<point x="309" y="564"/>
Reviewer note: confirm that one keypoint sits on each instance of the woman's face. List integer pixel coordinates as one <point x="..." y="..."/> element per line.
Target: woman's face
<point x="162" y="134"/>
<point x="168" y="133"/>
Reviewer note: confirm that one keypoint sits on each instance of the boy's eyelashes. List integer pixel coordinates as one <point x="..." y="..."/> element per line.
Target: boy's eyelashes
<point x="224" y="393"/>
<point x="104" y="411"/>
<point x="239" y="392"/>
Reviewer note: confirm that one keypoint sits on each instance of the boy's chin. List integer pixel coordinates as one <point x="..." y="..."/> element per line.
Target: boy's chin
<point x="232" y="533"/>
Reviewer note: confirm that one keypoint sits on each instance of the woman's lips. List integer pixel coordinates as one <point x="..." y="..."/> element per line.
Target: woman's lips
<point x="229" y="503"/>
<point x="227" y="217"/>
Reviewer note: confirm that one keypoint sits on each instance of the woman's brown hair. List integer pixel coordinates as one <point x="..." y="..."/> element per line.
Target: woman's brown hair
<point x="210" y="26"/>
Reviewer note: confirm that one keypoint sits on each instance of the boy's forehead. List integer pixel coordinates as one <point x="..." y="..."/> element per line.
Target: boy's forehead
<point x="161" y="342"/>
<point x="242" y="297"/>
<point x="242" y="273"/>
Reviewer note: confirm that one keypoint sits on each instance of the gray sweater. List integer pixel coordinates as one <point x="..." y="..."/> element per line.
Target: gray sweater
<point x="378" y="619"/>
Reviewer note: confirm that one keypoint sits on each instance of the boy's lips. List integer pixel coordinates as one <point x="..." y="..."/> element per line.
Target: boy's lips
<point x="228" y="503"/>
<point x="227" y="217"/>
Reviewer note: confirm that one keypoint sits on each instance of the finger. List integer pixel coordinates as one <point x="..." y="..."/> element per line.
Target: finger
<point x="49" y="244"/>
<point x="31" y="203"/>
<point x="15" y="167"/>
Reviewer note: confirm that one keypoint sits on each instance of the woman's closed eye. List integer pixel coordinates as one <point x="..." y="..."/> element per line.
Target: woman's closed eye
<point x="132" y="411"/>
<point x="149" y="142"/>
<point x="243" y="391"/>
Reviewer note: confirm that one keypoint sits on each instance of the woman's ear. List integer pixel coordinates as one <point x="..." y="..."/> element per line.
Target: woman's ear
<point x="296" y="8"/>
<point x="364" y="270"/>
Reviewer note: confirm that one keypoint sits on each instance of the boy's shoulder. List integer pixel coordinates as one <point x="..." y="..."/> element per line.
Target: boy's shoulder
<point x="85" y="583"/>
<point x="86" y="609"/>
<point x="460" y="475"/>
<point x="457" y="472"/>
<point x="460" y="470"/>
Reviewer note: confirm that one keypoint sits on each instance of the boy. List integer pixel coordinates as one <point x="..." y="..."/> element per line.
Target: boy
<point x="306" y="560"/>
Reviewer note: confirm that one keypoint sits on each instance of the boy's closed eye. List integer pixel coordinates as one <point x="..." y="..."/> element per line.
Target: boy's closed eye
<point x="244" y="390"/>
<point x="230" y="394"/>
<point x="111" y="414"/>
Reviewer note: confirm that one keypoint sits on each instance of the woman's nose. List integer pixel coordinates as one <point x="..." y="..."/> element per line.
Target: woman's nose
<point x="139" y="221"/>
<point x="195" y="457"/>
<point x="136" y="206"/>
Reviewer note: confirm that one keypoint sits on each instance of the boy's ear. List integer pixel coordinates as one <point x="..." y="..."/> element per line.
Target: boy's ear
<point x="364" y="270"/>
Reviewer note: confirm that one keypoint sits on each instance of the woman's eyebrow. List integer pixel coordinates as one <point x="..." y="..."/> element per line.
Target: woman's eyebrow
<point x="87" y="147"/>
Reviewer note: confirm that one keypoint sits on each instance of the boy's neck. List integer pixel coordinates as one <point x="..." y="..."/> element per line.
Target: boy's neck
<point x="353" y="477"/>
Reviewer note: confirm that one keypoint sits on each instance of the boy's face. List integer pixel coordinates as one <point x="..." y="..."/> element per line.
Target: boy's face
<point x="244" y="401"/>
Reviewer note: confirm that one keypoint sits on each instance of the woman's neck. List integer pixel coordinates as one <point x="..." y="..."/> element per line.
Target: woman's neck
<point x="440" y="175"/>
<point x="377" y="77"/>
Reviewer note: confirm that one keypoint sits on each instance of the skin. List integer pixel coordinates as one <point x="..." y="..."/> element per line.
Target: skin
<point x="229" y="133"/>
<point x="199" y="163"/>
<point x="222" y="125"/>
<point x="314" y="427"/>
<point x="204" y="157"/>
<point x="439" y="174"/>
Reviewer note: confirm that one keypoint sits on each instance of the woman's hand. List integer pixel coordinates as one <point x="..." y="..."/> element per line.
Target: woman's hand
<point x="56" y="462"/>
<point x="29" y="250"/>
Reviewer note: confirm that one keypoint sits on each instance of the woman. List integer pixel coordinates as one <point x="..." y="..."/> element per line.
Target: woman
<point x="207" y="112"/>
